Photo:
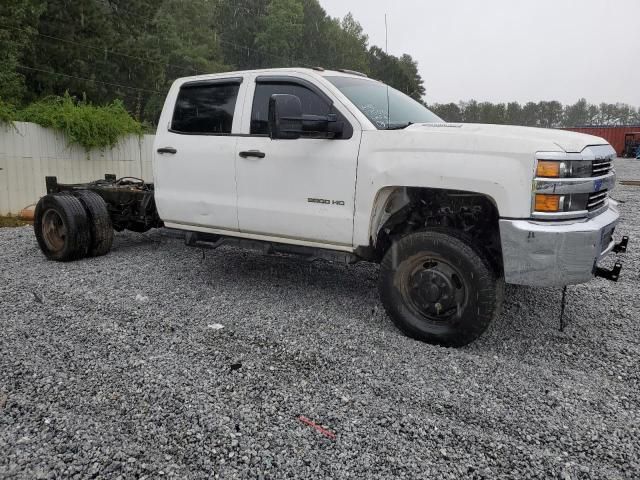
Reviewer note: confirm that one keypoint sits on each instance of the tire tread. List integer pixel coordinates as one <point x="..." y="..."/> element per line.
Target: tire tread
<point x="73" y="214"/>
<point x="488" y="297"/>
<point x="100" y="227"/>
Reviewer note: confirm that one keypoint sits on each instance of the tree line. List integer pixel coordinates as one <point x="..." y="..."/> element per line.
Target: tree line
<point x="131" y="50"/>
<point x="101" y="50"/>
<point x="547" y="114"/>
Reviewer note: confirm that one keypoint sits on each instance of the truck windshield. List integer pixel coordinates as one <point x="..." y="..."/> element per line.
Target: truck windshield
<point x="386" y="107"/>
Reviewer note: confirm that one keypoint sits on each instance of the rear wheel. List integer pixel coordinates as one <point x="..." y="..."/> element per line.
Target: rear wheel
<point x="437" y="288"/>
<point x="100" y="226"/>
<point x="61" y="227"/>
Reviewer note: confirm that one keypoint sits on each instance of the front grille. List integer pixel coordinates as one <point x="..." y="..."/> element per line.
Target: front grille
<point x="600" y="167"/>
<point x="596" y="200"/>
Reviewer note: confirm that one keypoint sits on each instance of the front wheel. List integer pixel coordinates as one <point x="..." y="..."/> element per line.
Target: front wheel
<point x="438" y="289"/>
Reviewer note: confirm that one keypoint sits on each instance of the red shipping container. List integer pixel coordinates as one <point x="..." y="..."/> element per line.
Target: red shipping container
<point x="614" y="134"/>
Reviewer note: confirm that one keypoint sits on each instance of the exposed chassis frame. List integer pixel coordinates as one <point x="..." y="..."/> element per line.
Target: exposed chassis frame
<point x="130" y="201"/>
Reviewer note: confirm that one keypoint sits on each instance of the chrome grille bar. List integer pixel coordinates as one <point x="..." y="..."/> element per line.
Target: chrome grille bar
<point x="600" y="167"/>
<point x="597" y="199"/>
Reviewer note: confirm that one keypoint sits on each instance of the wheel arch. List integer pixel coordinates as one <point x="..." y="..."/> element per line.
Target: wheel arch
<point x="398" y="210"/>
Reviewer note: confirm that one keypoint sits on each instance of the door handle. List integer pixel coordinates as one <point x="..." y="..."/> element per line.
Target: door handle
<point x="170" y="150"/>
<point x="252" y="153"/>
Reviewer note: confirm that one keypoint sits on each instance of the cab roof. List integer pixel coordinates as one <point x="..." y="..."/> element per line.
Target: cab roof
<point x="318" y="71"/>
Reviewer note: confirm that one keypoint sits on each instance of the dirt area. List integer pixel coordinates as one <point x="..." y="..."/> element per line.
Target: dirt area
<point x="8" y="221"/>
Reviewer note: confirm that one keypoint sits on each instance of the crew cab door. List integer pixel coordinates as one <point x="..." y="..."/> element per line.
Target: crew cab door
<point x="297" y="189"/>
<point x="195" y="149"/>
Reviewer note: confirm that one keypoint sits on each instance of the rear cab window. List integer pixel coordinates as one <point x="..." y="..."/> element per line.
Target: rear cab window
<point x="206" y="107"/>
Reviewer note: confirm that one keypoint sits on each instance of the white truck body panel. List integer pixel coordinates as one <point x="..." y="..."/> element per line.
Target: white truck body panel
<point x="274" y="192"/>
<point x="197" y="185"/>
<point x="329" y="193"/>
<point x="495" y="160"/>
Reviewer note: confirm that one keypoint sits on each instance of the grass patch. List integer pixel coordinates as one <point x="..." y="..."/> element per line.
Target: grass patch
<point x="9" y="221"/>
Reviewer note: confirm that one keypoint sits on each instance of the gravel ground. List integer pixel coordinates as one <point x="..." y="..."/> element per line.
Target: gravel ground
<point x="116" y="367"/>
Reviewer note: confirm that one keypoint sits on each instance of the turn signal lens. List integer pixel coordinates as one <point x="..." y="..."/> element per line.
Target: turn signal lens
<point x="547" y="168"/>
<point x="547" y="203"/>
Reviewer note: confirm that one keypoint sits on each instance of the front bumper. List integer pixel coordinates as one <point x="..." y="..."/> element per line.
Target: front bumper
<point x="555" y="254"/>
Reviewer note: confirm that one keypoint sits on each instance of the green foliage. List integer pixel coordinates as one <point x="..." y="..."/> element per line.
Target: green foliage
<point x="351" y="47"/>
<point x="132" y="50"/>
<point x="17" y="17"/>
<point x="401" y="73"/>
<point x="83" y="124"/>
<point x="542" y="114"/>
<point x="237" y="28"/>
<point x="7" y="113"/>
<point x="283" y="22"/>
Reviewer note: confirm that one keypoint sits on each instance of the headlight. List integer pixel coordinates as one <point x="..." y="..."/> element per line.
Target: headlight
<point x="569" y="186"/>
<point x="547" y="203"/>
<point x="563" y="169"/>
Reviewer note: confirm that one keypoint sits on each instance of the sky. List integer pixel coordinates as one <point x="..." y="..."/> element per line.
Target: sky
<point x="506" y="50"/>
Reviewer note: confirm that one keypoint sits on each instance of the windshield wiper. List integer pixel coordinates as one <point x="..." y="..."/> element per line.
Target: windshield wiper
<point x="398" y="126"/>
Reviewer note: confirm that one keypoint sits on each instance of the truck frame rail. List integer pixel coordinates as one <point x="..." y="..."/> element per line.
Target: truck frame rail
<point x="130" y="201"/>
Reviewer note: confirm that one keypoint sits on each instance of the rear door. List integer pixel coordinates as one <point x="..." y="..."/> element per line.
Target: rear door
<point x="194" y="167"/>
<point x="299" y="189"/>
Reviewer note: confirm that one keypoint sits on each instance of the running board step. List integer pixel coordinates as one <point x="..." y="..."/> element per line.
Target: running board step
<point x="212" y="241"/>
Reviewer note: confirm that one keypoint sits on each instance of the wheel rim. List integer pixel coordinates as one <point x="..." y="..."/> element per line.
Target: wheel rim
<point x="54" y="231"/>
<point x="433" y="288"/>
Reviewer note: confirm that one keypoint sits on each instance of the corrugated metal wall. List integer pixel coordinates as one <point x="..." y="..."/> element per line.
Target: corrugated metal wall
<point x="29" y="152"/>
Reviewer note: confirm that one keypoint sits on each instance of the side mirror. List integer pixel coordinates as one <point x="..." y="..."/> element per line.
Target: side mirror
<point x="287" y="122"/>
<point x="285" y="117"/>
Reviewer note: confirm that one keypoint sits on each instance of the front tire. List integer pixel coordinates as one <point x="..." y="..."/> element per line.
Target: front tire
<point x="438" y="289"/>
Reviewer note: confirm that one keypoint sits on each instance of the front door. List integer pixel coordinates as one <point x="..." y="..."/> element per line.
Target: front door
<point x="299" y="189"/>
<point x="194" y="168"/>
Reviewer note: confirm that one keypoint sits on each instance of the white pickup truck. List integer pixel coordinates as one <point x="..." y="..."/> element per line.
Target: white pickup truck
<point x="335" y="165"/>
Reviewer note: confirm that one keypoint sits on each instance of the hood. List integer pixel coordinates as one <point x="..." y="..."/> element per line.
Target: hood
<point x="544" y="138"/>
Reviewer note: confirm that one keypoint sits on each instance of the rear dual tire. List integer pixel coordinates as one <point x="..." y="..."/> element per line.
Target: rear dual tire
<point x="62" y="227"/>
<point x="69" y="227"/>
<point x="100" y="227"/>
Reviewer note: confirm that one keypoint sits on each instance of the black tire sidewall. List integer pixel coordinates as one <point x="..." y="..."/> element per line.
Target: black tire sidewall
<point x="75" y="220"/>
<point x="482" y="297"/>
<point x="100" y="227"/>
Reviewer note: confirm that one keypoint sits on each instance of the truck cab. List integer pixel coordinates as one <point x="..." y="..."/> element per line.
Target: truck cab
<point x="338" y="165"/>
<point x="228" y="176"/>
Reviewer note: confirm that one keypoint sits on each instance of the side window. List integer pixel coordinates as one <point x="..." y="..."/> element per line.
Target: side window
<point x="205" y="108"/>
<point x="312" y="104"/>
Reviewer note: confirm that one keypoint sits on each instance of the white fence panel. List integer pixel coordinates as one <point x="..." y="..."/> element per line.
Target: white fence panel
<point x="28" y="153"/>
